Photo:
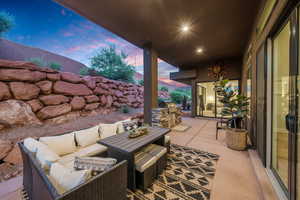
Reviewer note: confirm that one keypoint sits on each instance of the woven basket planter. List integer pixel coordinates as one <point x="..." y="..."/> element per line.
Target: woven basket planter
<point x="236" y="139"/>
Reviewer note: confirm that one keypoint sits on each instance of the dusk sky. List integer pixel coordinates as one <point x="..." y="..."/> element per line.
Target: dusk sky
<point x="47" y="25"/>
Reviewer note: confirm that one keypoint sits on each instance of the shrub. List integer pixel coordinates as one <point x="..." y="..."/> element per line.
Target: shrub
<point x="235" y="105"/>
<point x="7" y="21"/>
<point x="111" y="64"/>
<point x="164" y="88"/>
<point x="160" y="102"/>
<point x="42" y="63"/>
<point x="141" y="82"/>
<point x="55" y="66"/>
<point x="84" y="71"/>
<point x="38" y="61"/>
<point x="176" y="97"/>
<point x="186" y="92"/>
<point x="125" y="109"/>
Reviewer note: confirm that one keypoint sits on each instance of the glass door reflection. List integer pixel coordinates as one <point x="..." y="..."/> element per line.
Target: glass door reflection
<point x="207" y="102"/>
<point x="206" y="99"/>
<point x="281" y="78"/>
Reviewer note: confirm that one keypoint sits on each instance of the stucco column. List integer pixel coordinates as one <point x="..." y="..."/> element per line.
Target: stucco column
<point x="150" y="82"/>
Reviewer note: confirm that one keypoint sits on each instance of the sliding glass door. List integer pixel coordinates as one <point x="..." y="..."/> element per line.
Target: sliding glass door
<point x="285" y="106"/>
<point x="281" y="103"/>
<point x="207" y="101"/>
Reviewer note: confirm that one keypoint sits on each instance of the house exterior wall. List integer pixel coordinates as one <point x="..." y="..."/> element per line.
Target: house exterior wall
<point x="250" y="66"/>
<point x="246" y="69"/>
<point x="250" y="57"/>
<point x="232" y="68"/>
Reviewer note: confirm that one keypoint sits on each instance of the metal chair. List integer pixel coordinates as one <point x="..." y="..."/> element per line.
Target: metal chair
<point x="222" y="123"/>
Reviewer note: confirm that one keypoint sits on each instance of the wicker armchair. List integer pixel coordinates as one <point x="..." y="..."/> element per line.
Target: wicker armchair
<point x="109" y="185"/>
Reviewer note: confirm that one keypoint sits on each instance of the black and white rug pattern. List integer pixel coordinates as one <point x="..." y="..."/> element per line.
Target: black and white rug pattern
<point x="188" y="176"/>
<point x="24" y="195"/>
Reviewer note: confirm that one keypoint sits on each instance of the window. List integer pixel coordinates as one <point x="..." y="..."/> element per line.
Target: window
<point x="207" y="102"/>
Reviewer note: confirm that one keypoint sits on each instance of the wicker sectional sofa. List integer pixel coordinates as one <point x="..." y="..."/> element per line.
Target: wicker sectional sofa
<point x="40" y="181"/>
<point x="38" y="186"/>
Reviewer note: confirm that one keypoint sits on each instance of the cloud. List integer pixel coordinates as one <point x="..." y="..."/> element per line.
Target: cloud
<point x="87" y="26"/>
<point x="111" y="40"/>
<point x="20" y="37"/>
<point x="164" y="69"/>
<point x="63" y="12"/>
<point x="86" y="47"/>
<point x="97" y="45"/>
<point x="134" y="55"/>
<point x="116" y="41"/>
<point x="68" y="34"/>
<point x="171" y="82"/>
<point x="135" y="60"/>
<point x="74" y="48"/>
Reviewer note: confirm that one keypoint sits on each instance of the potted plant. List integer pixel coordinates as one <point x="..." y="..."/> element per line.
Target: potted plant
<point x="235" y="106"/>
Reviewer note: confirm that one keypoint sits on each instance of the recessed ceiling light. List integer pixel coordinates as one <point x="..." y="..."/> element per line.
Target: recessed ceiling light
<point x="199" y="50"/>
<point x="185" y="28"/>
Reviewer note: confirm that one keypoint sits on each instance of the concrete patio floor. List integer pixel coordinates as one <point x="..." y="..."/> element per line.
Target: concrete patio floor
<point x="235" y="178"/>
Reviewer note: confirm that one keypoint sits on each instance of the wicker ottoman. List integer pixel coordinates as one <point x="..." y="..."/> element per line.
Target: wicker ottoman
<point x="145" y="165"/>
<point x="160" y="153"/>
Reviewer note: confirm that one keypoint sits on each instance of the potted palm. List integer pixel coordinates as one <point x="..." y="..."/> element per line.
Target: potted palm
<point x="235" y="106"/>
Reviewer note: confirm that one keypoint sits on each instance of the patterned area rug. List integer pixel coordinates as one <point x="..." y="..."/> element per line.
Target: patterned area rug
<point x="24" y="195"/>
<point x="189" y="176"/>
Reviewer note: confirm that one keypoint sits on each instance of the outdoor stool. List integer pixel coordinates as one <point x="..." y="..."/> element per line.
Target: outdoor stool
<point x="145" y="165"/>
<point x="160" y="153"/>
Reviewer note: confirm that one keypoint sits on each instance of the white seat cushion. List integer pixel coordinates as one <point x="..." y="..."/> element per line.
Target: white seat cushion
<point x="61" y="145"/>
<point x="67" y="159"/>
<point x="69" y="165"/>
<point x="92" y="150"/>
<point x="87" y="137"/>
<point x="143" y="161"/>
<point x="58" y="188"/>
<point x="46" y="157"/>
<point x="120" y="125"/>
<point x="107" y="130"/>
<point x="67" y="179"/>
<point x="155" y="150"/>
<point x="32" y="144"/>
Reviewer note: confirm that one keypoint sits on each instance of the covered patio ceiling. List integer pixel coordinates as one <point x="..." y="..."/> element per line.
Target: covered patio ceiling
<point x="221" y="28"/>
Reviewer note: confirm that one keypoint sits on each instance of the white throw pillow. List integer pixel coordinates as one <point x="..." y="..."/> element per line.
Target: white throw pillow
<point x="120" y="126"/>
<point x="68" y="178"/>
<point x="46" y="157"/>
<point x="87" y="137"/>
<point x="61" y="145"/>
<point x="107" y="130"/>
<point x="32" y="144"/>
